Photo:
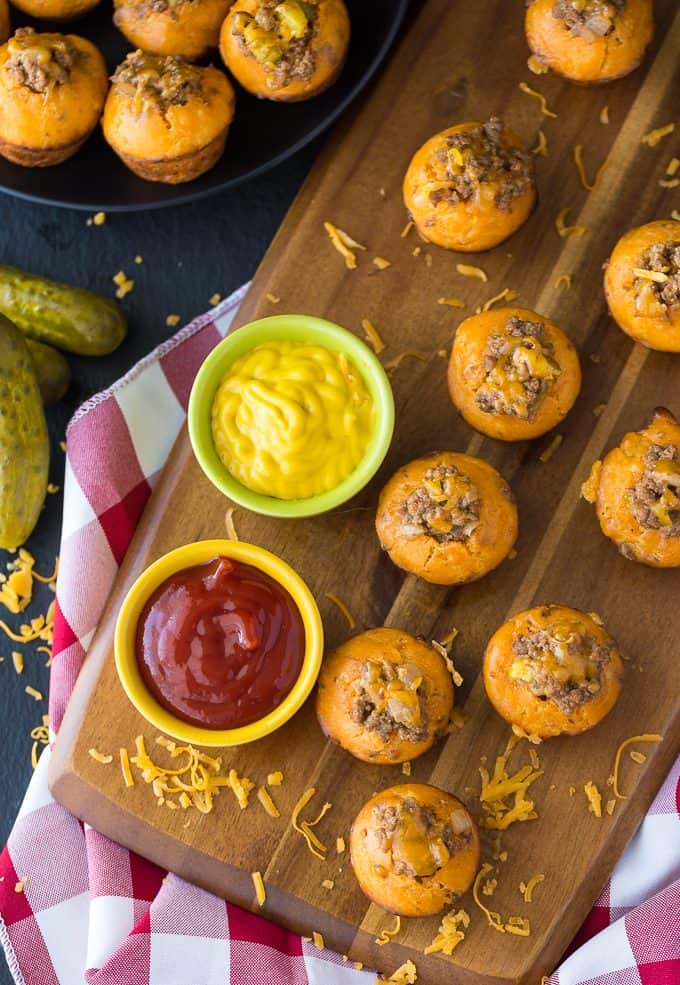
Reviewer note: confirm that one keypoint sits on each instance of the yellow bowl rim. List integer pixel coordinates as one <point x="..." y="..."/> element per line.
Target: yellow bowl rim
<point x="185" y="557"/>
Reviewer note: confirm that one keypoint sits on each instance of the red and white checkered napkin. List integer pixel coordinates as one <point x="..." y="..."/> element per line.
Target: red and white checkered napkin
<point x="90" y="911"/>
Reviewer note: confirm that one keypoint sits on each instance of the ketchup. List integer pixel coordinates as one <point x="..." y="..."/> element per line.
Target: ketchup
<point x="220" y="644"/>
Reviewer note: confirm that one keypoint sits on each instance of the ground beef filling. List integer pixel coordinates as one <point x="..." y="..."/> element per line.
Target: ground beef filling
<point x="473" y="157"/>
<point x="279" y="36"/>
<point x="418" y="840"/>
<point x="389" y="699"/>
<point x="157" y="81"/>
<point x="145" y="7"/>
<point x="565" y="667"/>
<point x="662" y="259"/>
<point x="40" y="61"/>
<point x="655" y="498"/>
<point x="520" y="369"/>
<point x="588" y="19"/>
<point x="446" y="507"/>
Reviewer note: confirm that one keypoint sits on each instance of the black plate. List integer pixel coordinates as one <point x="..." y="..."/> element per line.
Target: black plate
<point x="262" y="135"/>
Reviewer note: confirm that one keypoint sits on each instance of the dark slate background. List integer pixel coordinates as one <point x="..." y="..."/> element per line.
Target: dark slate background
<point x="190" y="253"/>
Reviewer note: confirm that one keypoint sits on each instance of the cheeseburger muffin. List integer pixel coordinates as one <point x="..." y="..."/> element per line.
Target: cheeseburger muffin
<point x="636" y="492"/>
<point x="470" y="187"/>
<point x="414" y="849"/>
<point x="448" y="518"/>
<point x="384" y="696"/>
<point x="287" y="51"/>
<point x="513" y="374"/>
<point x="642" y="284"/>
<point x="55" y="10"/>
<point x="52" y="90"/>
<point x="589" y="41"/>
<point x="552" y="670"/>
<point x="190" y="28"/>
<point x="166" y="119"/>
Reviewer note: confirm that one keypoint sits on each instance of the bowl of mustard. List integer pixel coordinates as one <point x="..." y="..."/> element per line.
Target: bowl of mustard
<point x="291" y="416"/>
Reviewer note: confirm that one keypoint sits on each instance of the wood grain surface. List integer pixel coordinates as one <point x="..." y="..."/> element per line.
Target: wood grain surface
<point x="458" y="62"/>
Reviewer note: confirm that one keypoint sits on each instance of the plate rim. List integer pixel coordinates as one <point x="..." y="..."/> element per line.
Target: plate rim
<point x="401" y="7"/>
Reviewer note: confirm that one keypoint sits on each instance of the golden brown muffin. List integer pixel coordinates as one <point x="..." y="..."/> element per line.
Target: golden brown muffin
<point x="285" y="50"/>
<point x="636" y="492"/>
<point x="589" y="41"/>
<point x="642" y="284"/>
<point x="448" y="518"/>
<point x="384" y="696"/>
<point x="52" y="90"/>
<point x="513" y="374"/>
<point x="56" y="10"/>
<point x="552" y="670"/>
<point x="4" y="20"/>
<point x="471" y="186"/>
<point x="414" y="849"/>
<point x="190" y="28"/>
<point x="166" y="119"/>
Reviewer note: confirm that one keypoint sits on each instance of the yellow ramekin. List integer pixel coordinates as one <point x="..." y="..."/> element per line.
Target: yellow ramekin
<point x="187" y="557"/>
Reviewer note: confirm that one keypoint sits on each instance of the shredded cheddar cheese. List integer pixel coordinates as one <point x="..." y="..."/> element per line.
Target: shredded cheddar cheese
<point x="395" y="363"/>
<point x="654" y="275"/>
<point x="451" y="302"/>
<point x="388" y="933"/>
<point x="646" y="737"/>
<point x="654" y="137"/>
<point x="318" y="940"/>
<point x="527" y="888"/>
<point x="260" y="891"/>
<point x="467" y="270"/>
<point x="265" y="799"/>
<point x="172" y="320"/>
<point x="548" y="452"/>
<point x="344" y="244"/>
<point x="594" y="798"/>
<point x="339" y="845"/>
<point x="450" y="666"/>
<point x="610" y="805"/>
<point x="541" y="148"/>
<point x="214" y="299"/>
<point x="406" y="974"/>
<point x="18" y="661"/>
<point x="580" y="167"/>
<point x="590" y="487"/>
<point x="529" y="736"/>
<point x="128" y="778"/>
<point x="519" y="926"/>
<point x="40" y="628"/>
<point x="637" y="757"/>
<point x="197" y="776"/>
<point x="407" y="229"/>
<point x="16" y="589"/>
<point x="604" y="115"/>
<point x="241" y="787"/>
<point x="489" y="887"/>
<point x="275" y="779"/>
<point x="417" y="251"/>
<point x="33" y="692"/>
<point x="451" y="933"/>
<point x="672" y="166"/>
<point x="351" y="622"/>
<point x="406" y="768"/>
<point x="100" y="757"/>
<point x="20" y="885"/>
<point x="41" y="736"/>
<point x="373" y="335"/>
<point x="327" y="884"/>
<point x="536" y="66"/>
<point x="497" y="788"/>
<point x="229" y="524"/>
<point x="671" y="183"/>
<point x="564" y="230"/>
<point x="540" y="97"/>
<point x="505" y="295"/>
<point x="381" y="263"/>
<point x="599" y="409"/>
<point x="304" y="828"/>
<point x="273" y="298"/>
<point x="457" y="720"/>
<point x="123" y="284"/>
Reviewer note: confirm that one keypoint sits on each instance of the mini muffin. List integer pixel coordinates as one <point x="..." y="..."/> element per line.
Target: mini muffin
<point x="286" y="50"/>
<point x="166" y="119"/>
<point x="642" y="284"/>
<point x="552" y="670"/>
<point x="589" y="41"/>
<point x="636" y="492"/>
<point x="448" y="518"/>
<point x="470" y="187"/>
<point x="414" y="849"/>
<point x="384" y="696"/>
<point x="190" y="28"/>
<point x="52" y="90"/>
<point x="4" y="20"/>
<point x="56" y="10"/>
<point x="513" y="374"/>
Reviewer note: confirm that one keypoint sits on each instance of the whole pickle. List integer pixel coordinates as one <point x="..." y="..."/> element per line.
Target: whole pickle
<point x="51" y="369"/>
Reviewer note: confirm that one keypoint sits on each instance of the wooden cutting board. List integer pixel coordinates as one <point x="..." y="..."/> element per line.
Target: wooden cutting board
<point x="459" y="61"/>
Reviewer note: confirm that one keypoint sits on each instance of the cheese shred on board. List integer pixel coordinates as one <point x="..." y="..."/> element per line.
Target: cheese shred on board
<point x="128" y="778"/>
<point x="527" y="90"/>
<point x="351" y="622"/>
<point x="527" y="888"/>
<point x="304" y="828"/>
<point x="275" y="779"/>
<point x="519" y="926"/>
<point x="536" y="66"/>
<point x="646" y="737"/>
<point x="581" y="168"/>
<point x="16" y="589"/>
<point x="451" y="933"/>
<point x="40" y="628"/>
<point x="563" y="282"/>
<point x="406" y="974"/>
<point x="100" y="757"/>
<point x="395" y="363"/>
<point x="344" y="244"/>
<point x="388" y="933"/>
<point x="260" y="891"/>
<point x="451" y="302"/>
<point x="229" y="524"/>
<point x="450" y="666"/>
<point x="652" y="138"/>
<point x="594" y="798"/>
<point x="541" y="148"/>
<point x="381" y="263"/>
<point x="499" y="787"/>
<point x="373" y="335"/>
<point x="505" y="295"/>
<point x="265" y="799"/>
<point x="467" y="270"/>
<point x="563" y="229"/>
<point x="318" y="940"/>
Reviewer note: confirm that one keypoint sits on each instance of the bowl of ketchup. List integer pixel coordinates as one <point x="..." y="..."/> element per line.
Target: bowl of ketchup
<point x="218" y="643"/>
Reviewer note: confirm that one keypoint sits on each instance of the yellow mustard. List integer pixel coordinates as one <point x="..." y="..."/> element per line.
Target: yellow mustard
<point x="292" y="420"/>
